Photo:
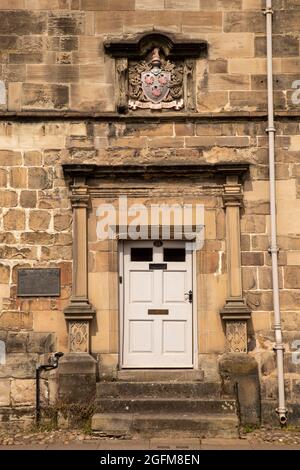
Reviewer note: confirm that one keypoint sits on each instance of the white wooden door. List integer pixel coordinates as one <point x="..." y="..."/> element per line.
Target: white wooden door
<point x="158" y="313"/>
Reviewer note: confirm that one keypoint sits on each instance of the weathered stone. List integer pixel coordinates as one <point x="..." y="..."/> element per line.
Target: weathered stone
<point x="8" y="198"/>
<point x="283" y="46"/>
<point x="62" y="221"/>
<point x="39" y="220"/>
<point x="37" y="238"/>
<point x="14" y="219"/>
<point x="21" y="22"/>
<point x="28" y="199"/>
<point x="240" y="372"/>
<point x="40" y="343"/>
<point x="252" y="258"/>
<point x="19" y="365"/>
<point x="77" y="378"/>
<point x="38" y="178"/>
<point x="18" y="177"/>
<point x="5" y="392"/>
<point x="292" y="277"/>
<point x="16" y="342"/>
<point x="23" y="392"/>
<point x="66" y="24"/>
<point x="10" y="158"/>
<point x="32" y="158"/>
<point x="4" y="274"/>
<point x="41" y="96"/>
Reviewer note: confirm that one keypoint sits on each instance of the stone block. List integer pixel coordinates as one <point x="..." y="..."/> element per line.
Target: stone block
<point x="18" y="177"/>
<point x="40" y="343"/>
<point x="231" y="45"/>
<point x="201" y="22"/>
<point x="32" y="158"/>
<point x="16" y="342"/>
<point x="28" y="199"/>
<point x="41" y="96"/>
<point x="76" y="378"/>
<point x="23" y="392"/>
<point x="8" y="198"/>
<point x="252" y="258"/>
<point x="52" y="74"/>
<point x="14" y="219"/>
<point x="283" y="46"/>
<point x="39" y="220"/>
<point x="66" y="23"/>
<point x="27" y="22"/>
<point x="10" y="158"/>
<point x="4" y="274"/>
<point x="239" y="374"/>
<point x="62" y="221"/>
<point x="38" y="178"/>
<point x="4" y="392"/>
<point x="253" y="224"/>
<point x="249" y="277"/>
<point x="292" y="277"/>
<point x="244" y="21"/>
<point x="19" y="365"/>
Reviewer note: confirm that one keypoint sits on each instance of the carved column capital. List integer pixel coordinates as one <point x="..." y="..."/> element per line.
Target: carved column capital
<point x="80" y="197"/>
<point x="232" y="195"/>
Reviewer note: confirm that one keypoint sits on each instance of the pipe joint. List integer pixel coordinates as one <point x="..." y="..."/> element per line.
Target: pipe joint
<point x="273" y="249"/>
<point x="268" y="11"/>
<point x="282" y="413"/>
<point x="279" y="347"/>
<point x="271" y="129"/>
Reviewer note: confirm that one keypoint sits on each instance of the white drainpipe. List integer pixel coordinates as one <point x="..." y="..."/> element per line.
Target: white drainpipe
<point x="279" y="347"/>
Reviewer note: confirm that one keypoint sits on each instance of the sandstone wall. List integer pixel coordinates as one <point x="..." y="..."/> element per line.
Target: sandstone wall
<point x="52" y="55"/>
<point x="52" y="60"/>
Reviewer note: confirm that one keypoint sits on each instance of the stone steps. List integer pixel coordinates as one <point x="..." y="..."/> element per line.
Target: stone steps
<point x="183" y="425"/>
<point x="158" y="389"/>
<point x="165" y="405"/>
<point x="153" y="408"/>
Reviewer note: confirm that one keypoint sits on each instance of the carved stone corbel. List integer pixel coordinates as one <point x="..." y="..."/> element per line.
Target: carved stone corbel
<point x="235" y="312"/>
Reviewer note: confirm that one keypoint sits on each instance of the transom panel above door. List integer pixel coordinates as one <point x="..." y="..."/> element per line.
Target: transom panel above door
<point x="158" y="313"/>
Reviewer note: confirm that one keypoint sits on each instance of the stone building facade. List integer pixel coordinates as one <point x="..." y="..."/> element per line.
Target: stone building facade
<point x="72" y="138"/>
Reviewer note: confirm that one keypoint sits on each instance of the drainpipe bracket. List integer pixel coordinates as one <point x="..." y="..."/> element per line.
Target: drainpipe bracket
<point x="268" y="11"/>
<point x="279" y="347"/>
<point x="271" y="129"/>
<point x="273" y="249"/>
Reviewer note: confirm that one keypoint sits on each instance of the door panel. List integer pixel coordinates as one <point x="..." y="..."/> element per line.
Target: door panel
<point x="158" y="321"/>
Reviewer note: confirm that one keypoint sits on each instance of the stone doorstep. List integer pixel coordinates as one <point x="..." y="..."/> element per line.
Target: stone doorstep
<point x="173" y="424"/>
<point x="154" y="375"/>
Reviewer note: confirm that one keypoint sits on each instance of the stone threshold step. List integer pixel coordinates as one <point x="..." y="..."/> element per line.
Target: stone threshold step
<point x="165" y="405"/>
<point x="149" y="375"/>
<point x="175" y="424"/>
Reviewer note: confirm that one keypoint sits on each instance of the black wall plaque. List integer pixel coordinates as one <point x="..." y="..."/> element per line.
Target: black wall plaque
<point x="40" y="282"/>
<point x="158" y="266"/>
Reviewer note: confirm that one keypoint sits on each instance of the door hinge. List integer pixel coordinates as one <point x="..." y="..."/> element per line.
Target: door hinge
<point x="120" y="279"/>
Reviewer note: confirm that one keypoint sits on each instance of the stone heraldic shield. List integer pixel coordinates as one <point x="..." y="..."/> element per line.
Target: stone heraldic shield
<point x="155" y="84"/>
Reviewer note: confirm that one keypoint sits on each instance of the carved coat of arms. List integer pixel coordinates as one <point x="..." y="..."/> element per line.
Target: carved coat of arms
<point x="156" y="84"/>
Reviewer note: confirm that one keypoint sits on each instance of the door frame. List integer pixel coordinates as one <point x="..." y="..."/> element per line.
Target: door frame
<point x="122" y="307"/>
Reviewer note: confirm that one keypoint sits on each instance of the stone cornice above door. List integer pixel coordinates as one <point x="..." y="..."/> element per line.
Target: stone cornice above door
<point x="152" y="171"/>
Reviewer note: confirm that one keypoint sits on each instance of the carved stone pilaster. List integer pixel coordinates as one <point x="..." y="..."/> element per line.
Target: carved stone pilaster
<point x="235" y="312"/>
<point x="79" y="312"/>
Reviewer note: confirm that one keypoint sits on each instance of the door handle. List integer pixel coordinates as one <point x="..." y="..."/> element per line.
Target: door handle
<point x="189" y="296"/>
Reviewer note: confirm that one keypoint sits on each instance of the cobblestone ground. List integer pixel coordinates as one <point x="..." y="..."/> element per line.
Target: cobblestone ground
<point x="65" y="438"/>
